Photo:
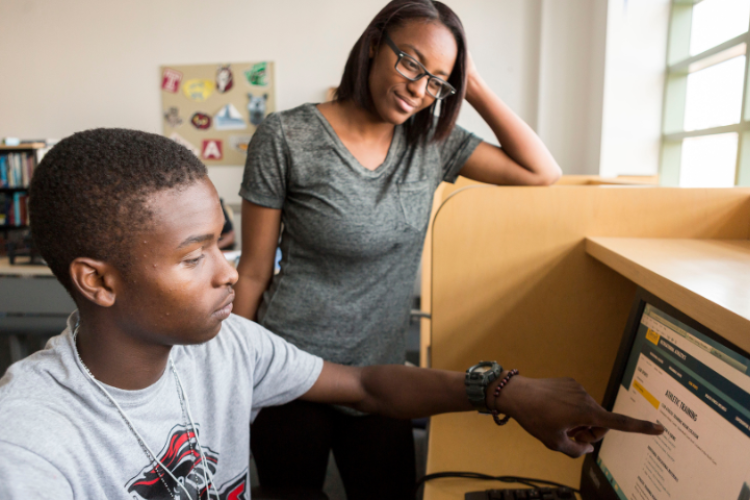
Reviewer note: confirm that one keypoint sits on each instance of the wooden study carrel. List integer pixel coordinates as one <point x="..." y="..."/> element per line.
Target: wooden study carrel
<point x="543" y="279"/>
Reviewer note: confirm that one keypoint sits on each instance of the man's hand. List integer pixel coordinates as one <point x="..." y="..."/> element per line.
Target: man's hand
<point x="561" y="414"/>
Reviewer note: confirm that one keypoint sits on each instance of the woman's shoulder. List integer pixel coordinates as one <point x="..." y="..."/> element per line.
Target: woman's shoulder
<point x="281" y="124"/>
<point x="300" y="115"/>
<point x="300" y="125"/>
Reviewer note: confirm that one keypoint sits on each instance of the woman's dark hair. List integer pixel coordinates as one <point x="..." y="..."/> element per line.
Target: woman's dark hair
<point x="354" y="83"/>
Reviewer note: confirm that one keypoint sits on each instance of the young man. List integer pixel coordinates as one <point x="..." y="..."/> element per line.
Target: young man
<point x="150" y="391"/>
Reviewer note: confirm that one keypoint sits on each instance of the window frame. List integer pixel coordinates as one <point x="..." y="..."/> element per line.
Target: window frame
<point x="678" y="66"/>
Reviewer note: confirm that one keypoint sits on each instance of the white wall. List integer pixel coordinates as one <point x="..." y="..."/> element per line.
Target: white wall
<point x="570" y="82"/>
<point x="634" y="86"/>
<point x="78" y="64"/>
<point x="503" y="39"/>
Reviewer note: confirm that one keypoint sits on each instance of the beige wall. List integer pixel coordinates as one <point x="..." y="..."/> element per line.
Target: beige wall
<point x="78" y="64"/>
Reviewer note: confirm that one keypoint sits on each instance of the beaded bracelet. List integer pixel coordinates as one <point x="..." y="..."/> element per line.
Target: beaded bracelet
<point x="498" y="388"/>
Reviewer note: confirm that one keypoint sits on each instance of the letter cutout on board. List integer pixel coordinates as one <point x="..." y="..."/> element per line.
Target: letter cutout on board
<point x="170" y="80"/>
<point x="211" y="149"/>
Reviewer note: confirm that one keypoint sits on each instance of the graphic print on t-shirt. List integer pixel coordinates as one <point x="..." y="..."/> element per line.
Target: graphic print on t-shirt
<point x="182" y="457"/>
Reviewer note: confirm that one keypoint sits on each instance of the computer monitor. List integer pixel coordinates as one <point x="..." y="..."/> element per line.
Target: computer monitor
<point x="675" y="371"/>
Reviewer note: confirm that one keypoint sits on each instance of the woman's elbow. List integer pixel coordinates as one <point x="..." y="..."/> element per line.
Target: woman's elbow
<point x="550" y="177"/>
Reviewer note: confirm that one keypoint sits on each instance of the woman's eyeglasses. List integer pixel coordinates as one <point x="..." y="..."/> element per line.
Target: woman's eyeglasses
<point x="413" y="70"/>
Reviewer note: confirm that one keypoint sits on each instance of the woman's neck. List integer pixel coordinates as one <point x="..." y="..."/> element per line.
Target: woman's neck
<point x="367" y="138"/>
<point x="357" y="122"/>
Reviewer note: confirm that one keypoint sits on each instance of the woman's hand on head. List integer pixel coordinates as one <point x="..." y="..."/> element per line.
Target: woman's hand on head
<point x="562" y="415"/>
<point x="472" y="75"/>
<point x="523" y="159"/>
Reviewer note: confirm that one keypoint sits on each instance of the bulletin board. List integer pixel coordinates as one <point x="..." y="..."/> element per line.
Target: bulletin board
<point x="214" y="109"/>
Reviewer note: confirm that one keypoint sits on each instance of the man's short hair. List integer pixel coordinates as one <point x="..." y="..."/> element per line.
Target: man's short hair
<point x="88" y="195"/>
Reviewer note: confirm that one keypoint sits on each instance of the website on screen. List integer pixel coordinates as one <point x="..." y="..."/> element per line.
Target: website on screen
<point x="700" y="391"/>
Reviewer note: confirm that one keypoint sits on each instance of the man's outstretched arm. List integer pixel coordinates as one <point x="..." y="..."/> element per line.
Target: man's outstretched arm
<point x="558" y="412"/>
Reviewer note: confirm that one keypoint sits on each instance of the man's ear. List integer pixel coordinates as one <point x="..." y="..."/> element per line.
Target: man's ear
<point x="97" y="281"/>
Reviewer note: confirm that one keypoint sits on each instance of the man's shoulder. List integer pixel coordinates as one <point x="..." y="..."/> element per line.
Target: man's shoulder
<point x="240" y="337"/>
<point x="36" y="397"/>
<point x="237" y="337"/>
<point x="37" y="418"/>
<point x="238" y="329"/>
<point x="242" y="351"/>
<point x="32" y="375"/>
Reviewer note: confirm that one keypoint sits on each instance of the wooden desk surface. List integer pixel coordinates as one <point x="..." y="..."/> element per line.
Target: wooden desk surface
<point x="706" y="279"/>
<point x="483" y="447"/>
<point x="6" y="269"/>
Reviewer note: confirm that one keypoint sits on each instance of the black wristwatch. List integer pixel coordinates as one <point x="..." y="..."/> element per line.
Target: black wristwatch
<point x="478" y="377"/>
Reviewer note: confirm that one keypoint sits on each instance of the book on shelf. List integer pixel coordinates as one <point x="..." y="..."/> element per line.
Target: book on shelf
<point x="14" y="210"/>
<point x="16" y="169"/>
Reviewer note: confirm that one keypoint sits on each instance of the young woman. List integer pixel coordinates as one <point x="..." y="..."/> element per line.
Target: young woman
<point x="352" y="182"/>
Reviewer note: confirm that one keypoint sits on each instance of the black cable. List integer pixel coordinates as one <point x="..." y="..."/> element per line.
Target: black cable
<point x="528" y="481"/>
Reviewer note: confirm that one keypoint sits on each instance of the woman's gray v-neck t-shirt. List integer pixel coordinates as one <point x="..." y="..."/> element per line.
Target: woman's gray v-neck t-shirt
<point x="352" y="237"/>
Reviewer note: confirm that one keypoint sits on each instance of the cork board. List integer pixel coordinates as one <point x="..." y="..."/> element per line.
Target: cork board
<point x="214" y="109"/>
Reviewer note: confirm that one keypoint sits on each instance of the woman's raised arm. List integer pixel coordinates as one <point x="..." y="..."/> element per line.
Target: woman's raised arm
<point x="523" y="159"/>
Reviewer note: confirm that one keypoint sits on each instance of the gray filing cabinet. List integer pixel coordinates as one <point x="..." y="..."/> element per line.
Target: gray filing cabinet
<point x="32" y="306"/>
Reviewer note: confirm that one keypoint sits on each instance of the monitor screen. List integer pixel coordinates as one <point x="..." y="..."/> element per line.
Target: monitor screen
<point x="698" y="388"/>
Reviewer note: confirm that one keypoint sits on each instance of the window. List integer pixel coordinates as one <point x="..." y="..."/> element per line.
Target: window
<point x="706" y="122"/>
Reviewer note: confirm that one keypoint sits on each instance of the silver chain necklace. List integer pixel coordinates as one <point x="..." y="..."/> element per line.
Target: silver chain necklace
<point x="185" y="407"/>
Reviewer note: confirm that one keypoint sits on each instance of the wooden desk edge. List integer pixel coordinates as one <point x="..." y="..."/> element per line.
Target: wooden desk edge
<point x="6" y="269"/>
<point x="22" y="147"/>
<point x="714" y="316"/>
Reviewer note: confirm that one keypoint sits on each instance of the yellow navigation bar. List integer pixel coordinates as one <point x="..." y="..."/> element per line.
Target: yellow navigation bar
<point x="643" y="392"/>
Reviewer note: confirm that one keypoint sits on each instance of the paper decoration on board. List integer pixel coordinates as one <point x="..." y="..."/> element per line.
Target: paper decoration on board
<point x="224" y="79"/>
<point x="170" y="80"/>
<point x="256" y="108"/>
<point x="197" y="89"/>
<point x="184" y="143"/>
<point x="211" y="149"/>
<point x="257" y="74"/>
<point x="239" y="142"/>
<point x="228" y="118"/>
<point x="172" y="117"/>
<point x="207" y="113"/>
<point x="201" y="121"/>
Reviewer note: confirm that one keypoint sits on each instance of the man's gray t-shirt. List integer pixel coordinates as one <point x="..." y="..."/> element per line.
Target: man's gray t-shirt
<point x="352" y="237"/>
<point x="60" y="437"/>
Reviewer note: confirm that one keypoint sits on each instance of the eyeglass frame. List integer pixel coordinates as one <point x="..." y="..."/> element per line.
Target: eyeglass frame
<point x="401" y="54"/>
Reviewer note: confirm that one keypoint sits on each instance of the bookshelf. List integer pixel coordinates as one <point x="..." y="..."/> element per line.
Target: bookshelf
<point x="17" y="165"/>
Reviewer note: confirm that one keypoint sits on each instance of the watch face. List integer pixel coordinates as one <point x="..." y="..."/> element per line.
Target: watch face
<point x="483" y="369"/>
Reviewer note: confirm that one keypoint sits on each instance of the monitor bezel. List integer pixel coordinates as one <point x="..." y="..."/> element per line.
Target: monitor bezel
<point x="591" y="474"/>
